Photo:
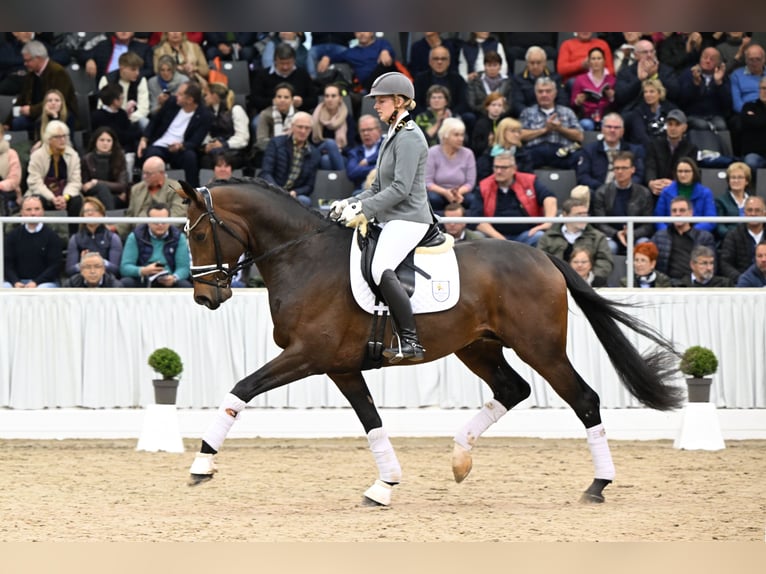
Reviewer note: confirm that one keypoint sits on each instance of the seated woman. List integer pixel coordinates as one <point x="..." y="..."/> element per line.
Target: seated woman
<point x="491" y="79"/>
<point x="332" y="128"/>
<point x="495" y="109"/>
<point x="54" y="108"/>
<point x="687" y="183"/>
<point x="647" y="120"/>
<point x="507" y="138"/>
<point x="581" y="260"/>
<point x="10" y="177"/>
<point x="450" y="167"/>
<point x="188" y="55"/>
<point x="54" y="172"/>
<point x="437" y="100"/>
<point x="104" y="170"/>
<point x="644" y="263"/>
<point x="593" y="91"/>
<point x="277" y="119"/>
<point x="732" y="203"/>
<point x="230" y="128"/>
<point x="165" y="83"/>
<point x="93" y="237"/>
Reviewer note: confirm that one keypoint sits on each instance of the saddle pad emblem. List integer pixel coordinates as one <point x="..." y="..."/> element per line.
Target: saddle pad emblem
<point x="440" y="290"/>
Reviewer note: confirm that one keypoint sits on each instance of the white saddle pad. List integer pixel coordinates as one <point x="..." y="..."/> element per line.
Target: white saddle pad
<point x="439" y="293"/>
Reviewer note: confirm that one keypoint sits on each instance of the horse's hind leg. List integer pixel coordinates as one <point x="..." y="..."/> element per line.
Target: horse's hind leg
<point x="485" y="358"/>
<point x="553" y="364"/>
<point x="354" y="388"/>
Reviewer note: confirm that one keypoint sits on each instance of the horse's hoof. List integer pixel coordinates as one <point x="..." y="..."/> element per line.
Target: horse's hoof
<point x="593" y="495"/>
<point x="588" y="498"/>
<point x="379" y="494"/>
<point x="462" y="463"/>
<point x="195" y="479"/>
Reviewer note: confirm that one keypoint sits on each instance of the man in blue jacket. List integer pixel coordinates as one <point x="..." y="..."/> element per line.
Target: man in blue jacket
<point x="176" y="132"/>
<point x="755" y="275"/>
<point x="291" y="161"/>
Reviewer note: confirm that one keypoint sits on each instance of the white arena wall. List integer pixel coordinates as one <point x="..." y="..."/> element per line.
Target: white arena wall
<point x="73" y="364"/>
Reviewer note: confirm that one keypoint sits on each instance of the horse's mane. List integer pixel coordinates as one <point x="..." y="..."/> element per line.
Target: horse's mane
<point x="270" y="187"/>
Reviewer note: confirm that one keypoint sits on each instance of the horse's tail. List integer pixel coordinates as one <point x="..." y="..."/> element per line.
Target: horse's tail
<point x="644" y="376"/>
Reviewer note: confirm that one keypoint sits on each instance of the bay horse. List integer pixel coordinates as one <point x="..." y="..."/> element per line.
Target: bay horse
<point x="511" y="295"/>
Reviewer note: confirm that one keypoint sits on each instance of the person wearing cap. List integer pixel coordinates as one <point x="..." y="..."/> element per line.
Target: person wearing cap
<point x="665" y="150"/>
<point x="398" y="200"/>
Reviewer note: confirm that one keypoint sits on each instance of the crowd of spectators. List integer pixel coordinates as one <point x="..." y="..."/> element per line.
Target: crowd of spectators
<point x="92" y="123"/>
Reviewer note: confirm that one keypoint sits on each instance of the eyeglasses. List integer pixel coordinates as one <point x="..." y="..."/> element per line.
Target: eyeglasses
<point x="91" y="267"/>
<point x="622" y="167"/>
<point x="503" y="166"/>
<point x="439" y="58"/>
<point x="363" y="130"/>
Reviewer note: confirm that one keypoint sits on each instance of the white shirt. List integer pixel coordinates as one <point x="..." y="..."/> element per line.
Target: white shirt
<point x="176" y="130"/>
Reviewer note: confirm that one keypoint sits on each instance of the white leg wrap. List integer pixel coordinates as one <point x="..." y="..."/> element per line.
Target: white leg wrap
<point x="385" y="457"/>
<point x="489" y="414"/>
<point x="599" y="450"/>
<point x="223" y="421"/>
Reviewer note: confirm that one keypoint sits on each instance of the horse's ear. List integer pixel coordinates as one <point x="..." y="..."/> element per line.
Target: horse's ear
<point x="188" y="192"/>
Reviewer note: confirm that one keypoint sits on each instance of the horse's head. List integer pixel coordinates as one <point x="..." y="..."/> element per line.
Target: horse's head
<point x="216" y="238"/>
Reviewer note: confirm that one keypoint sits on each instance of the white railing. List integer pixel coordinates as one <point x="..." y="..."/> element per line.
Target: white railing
<point x="630" y="223"/>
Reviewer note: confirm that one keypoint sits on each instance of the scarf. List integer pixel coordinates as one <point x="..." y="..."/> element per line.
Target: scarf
<point x="492" y="84"/>
<point x="335" y="123"/>
<point x="282" y="125"/>
<point x="646" y="281"/>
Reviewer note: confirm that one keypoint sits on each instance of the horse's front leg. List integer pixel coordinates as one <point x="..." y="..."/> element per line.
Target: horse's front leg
<point x="354" y="388"/>
<point x="288" y="366"/>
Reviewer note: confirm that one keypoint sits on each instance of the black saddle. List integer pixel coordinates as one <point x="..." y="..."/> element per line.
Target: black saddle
<point x="407" y="268"/>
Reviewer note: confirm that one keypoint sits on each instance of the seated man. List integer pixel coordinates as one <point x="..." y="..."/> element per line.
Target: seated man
<point x="32" y="252"/>
<point x="154" y="187"/>
<point x="459" y="230"/>
<point x="361" y="159"/>
<point x="291" y="161"/>
<point x="755" y="275"/>
<point x="562" y="238"/>
<point x="596" y="165"/>
<point x="738" y="247"/>
<point x="702" y="263"/>
<point x="623" y="196"/>
<point x="156" y="254"/>
<point x="551" y="132"/>
<point x="176" y="132"/>
<point x="675" y="242"/>
<point x="507" y="193"/>
<point x="93" y="273"/>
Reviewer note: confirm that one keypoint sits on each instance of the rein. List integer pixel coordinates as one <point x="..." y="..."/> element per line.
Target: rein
<point x="198" y="271"/>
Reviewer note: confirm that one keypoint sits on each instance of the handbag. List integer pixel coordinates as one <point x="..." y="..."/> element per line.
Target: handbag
<point x="216" y="75"/>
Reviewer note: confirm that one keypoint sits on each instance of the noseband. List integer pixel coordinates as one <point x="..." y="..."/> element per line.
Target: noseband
<point x="220" y="268"/>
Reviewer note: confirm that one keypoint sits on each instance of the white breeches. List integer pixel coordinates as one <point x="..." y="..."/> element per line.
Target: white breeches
<point x="397" y="239"/>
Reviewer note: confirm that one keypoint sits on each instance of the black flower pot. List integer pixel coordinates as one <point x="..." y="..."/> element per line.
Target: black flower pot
<point x="165" y="391"/>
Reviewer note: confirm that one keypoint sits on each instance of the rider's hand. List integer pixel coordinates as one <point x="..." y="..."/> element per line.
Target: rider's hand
<point x="352" y="214"/>
<point x="336" y="208"/>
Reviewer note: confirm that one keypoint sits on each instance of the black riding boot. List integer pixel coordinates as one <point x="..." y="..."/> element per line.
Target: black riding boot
<point x="401" y="313"/>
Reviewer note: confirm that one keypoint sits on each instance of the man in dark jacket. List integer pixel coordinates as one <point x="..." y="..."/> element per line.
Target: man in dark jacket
<point x="702" y="264"/>
<point x="291" y="161"/>
<point x="738" y="247"/>
<point x="596" y="164"/>
<point x="755" y="275"/>
<point x="628" y="90"/>
<point x="176" y="132"/>
<point x="43" y="74"/>
<point x="104" y="56"/>
<point x="665" y="150"/>
<point x="284" y="69"/>
<point x="623" y="196"/>
<point x="32" y="251"/>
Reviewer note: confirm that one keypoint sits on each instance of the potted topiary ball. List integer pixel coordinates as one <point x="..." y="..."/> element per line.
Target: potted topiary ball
<point x="698" y="362"/>
<point x="167" y="363"/>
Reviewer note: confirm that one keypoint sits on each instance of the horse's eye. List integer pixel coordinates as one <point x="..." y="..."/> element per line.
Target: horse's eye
<point x="199" y="236"/>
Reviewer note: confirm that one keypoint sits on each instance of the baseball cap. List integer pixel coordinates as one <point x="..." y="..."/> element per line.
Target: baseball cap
<point x="677" y="115"/>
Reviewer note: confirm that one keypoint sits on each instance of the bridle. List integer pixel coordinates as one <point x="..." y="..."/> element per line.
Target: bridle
<point x="220" y="267"/>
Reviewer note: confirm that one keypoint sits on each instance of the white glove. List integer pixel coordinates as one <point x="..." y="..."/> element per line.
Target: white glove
<point x="352" y="214"/>
<point x="336" y="208"/>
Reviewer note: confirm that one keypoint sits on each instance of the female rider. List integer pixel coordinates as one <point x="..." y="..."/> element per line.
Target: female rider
<point x="398" y="201"/>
